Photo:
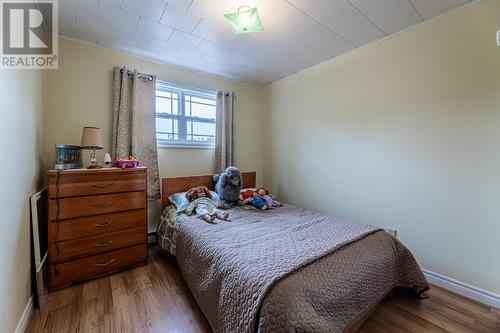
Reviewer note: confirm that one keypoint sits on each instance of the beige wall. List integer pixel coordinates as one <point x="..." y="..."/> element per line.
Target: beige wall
<point x="406" y="134"/>
<point x="20" y="146"/>
<point x="79" y="94"/>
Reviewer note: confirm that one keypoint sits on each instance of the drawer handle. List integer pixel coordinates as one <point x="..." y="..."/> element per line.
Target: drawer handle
<point x="103" y="185"/>
<point x="104" y="264"/>
<point x="105" y="224"/>
<point x="103" y="205"/>
<point x="103" y="244"/>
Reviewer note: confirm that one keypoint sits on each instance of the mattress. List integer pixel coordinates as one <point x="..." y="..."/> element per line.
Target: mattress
<point x="287" y="269"/>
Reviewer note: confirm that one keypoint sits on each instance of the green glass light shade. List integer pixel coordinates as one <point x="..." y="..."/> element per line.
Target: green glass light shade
<point x="245" y="21"/>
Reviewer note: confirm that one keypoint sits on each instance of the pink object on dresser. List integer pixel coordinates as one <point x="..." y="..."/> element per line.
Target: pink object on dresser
<point x="125" y="164"/>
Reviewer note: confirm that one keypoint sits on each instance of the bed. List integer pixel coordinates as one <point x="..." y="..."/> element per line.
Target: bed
<point x="284" y="269"/>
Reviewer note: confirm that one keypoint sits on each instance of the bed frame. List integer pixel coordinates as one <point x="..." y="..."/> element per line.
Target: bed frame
<point x="173" y="185"/>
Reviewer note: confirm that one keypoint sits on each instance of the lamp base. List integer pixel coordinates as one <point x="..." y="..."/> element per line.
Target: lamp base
<point x="93" y="161"/>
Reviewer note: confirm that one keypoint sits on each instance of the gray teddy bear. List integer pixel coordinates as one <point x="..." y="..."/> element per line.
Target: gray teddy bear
<point x="228" y="185"/>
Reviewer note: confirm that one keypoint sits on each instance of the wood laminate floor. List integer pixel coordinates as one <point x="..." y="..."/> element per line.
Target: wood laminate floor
<point x="154" y="298"/>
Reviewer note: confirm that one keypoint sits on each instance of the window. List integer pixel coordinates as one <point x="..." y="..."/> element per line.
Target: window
<point x="185" y="116"/>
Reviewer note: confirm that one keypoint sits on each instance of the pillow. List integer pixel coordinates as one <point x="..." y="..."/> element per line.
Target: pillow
<point x="180" y="201"/>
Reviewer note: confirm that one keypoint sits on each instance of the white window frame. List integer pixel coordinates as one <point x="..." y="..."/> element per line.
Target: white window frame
<point x="182" y="119"/>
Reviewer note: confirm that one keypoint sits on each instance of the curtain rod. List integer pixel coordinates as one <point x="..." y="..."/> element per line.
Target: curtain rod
<point x="139" y="75"/>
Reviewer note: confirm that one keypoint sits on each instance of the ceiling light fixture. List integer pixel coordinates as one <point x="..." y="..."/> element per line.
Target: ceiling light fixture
<point x="245" y="20"/>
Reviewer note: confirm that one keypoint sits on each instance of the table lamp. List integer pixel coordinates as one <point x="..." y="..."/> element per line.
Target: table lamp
<point x="91" y="139"/>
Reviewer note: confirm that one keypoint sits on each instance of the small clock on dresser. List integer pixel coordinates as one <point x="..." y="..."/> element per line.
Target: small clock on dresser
<point x="97" y="223"/>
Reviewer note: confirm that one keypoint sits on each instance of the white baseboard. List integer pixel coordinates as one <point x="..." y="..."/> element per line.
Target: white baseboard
<point x="463" y="288"/>
<point x="25" y="317"/>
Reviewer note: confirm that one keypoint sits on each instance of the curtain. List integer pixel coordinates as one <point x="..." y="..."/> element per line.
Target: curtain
<point x="134" y="122"/>
<point x="224" y="143"/>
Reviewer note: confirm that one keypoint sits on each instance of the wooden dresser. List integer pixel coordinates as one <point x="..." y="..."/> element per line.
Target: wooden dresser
<point x="97" y="223"/>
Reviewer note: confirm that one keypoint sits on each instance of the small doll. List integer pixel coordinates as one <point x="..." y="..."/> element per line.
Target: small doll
<point x="202" y="204"/>
<point x="268" y="198"/>
<point x="260" y="199"/>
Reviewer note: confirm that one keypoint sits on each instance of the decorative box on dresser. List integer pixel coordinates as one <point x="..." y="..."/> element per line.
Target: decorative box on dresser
<point x="97" y="223"/>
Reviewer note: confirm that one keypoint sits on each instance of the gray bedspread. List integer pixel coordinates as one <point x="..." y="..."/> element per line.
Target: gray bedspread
<point x="290" y="269"/>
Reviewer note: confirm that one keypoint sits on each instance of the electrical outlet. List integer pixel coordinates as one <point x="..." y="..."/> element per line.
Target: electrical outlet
<point x="393" y="232"/>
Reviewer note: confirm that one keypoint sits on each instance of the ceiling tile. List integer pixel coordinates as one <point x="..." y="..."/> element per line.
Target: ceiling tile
<point x="116" y="3"/>
<point x="211" y="10"/>
<point x="389" y="15"/>
<point x="152" y="9"/>
<point x="112" y="44"/>
<point x="249" y="75"/>
<point x="325" y="40"/>
<point x="120" y="18"/>
<point x="310" y="6"/>
<point x="162" y="47"/>
<point x="199" y="58"/>
<point x="348" y="22"/>
<point x="210" y="31"/>
<point x="132" y="39"/>
<point x="308" y="54"/>
<point x="184" y="4"/>
<point x="256" y="49"/>
<point x="272" y="12"/>
<point x="278" y="40"/>
<point x="184" y="40"/>
<point x="91" y="25"/>
<point x="255" y="63"/>
<point x="220" y="52"/>
<point x="88" y="7"/>
<point x="305" y="28"/>
<point x="284" y="63"/>
<point x="222" y="35"/>
<point x="179" y="18"/>
<point x="292" y="25"/>
<point x="153" y="29"/>
<point x="430" y="8"/>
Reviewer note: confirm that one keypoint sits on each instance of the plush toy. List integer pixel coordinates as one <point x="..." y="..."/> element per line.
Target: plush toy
<point x="269" y="198"/>
<point x="228" y="185"/>
<point x="203" y="205"/>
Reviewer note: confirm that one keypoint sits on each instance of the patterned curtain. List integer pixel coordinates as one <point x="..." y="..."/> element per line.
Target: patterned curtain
<point x="134" y="122"/>
<point x="224" y="143"/>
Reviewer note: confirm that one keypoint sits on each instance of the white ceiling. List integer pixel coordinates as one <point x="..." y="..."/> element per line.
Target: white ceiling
<point x="192" y="33"/>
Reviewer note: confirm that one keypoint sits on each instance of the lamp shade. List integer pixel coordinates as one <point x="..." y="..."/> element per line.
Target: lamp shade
<point x="91" y="138"/>
<point x="244" y="21"/>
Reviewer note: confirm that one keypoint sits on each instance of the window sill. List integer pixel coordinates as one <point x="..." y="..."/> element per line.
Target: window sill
<point x="164" y="145"/>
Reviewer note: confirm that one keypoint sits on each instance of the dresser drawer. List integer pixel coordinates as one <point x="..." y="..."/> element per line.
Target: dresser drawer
<point x="96" y="225"/>
<point x="80" y="269"/>
<point x="71" y="184"/>
<point x="63" y="251"/>
<point x="94" y="205"/>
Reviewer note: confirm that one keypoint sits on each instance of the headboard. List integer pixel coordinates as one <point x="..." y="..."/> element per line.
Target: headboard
<point x="182" y="184"/>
